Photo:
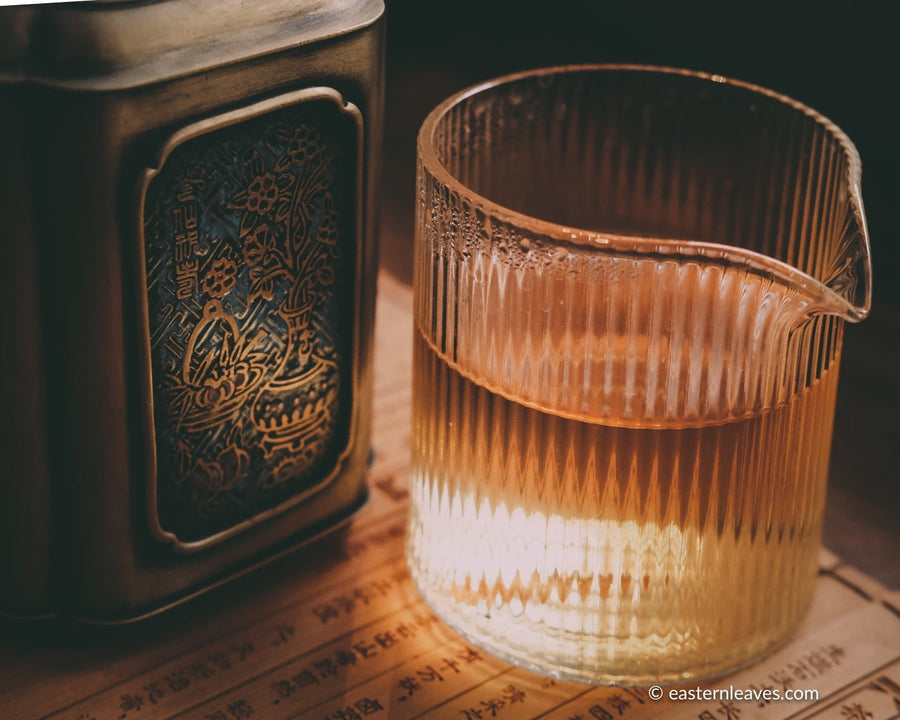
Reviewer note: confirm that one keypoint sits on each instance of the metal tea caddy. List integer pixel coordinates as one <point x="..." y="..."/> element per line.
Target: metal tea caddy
<point x="190" y="242"/>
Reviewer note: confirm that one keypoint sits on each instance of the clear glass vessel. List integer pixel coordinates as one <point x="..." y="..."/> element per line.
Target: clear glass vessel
<point x="630" y="289"/>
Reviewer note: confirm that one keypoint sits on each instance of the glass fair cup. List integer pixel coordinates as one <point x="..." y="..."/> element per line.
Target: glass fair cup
<point x="630" y="289"/>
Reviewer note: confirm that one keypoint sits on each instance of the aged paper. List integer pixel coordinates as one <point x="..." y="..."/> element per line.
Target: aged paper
<point x="339" y="633"/>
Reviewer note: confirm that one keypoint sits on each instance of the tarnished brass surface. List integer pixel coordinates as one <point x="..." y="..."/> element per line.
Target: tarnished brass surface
<point x="208" y="395"/>
<point x="250" y="241"/>
<point x="25" y="573"/>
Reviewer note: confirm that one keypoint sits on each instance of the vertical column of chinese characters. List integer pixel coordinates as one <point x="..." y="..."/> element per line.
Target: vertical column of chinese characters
<point x="186" y="235"/>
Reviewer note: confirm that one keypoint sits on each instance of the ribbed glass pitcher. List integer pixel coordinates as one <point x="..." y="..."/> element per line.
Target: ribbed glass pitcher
<point x="630" y="289"/>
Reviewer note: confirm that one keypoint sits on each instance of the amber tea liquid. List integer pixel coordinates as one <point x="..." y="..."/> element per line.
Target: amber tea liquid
<point x="617" y="553"/>
<point x="630" y="286"/>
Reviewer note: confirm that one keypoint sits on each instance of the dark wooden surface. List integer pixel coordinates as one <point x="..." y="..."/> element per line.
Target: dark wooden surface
<point x="862" y="517"/>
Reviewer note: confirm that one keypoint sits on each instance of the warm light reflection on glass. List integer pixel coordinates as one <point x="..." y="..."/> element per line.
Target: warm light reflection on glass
<point x="610" y="553"/>
<point x="630" y="289"/>
<point x="545" y="566"/>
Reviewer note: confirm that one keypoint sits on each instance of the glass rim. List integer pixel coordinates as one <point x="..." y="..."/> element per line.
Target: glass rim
<point x="827" y="299"/>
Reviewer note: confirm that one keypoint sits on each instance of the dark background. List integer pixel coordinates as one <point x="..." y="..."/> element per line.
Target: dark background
<point x="840" y="58"/>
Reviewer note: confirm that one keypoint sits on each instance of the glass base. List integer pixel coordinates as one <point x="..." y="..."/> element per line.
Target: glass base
<point x="597" y="660"/>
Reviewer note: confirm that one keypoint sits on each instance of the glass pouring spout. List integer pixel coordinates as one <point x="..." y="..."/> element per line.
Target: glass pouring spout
<point x="778" y="190"/>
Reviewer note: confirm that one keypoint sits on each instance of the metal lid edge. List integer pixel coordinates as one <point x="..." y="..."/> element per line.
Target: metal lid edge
<point x="104" y="47"/>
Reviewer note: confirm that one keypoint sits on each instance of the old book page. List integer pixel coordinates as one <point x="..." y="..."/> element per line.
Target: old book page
<point x="338" y="632"/>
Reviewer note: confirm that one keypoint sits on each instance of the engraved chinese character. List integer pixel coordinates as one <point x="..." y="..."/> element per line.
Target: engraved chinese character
<point x="818" y="662"/>
<point x="283" y="631"/>
<point x="835" y="652"/>
<point x="240" y="710"/>
<point x="404" y="631"/>
<point x="243" y="650"/>
<point x="283" y="689"/>
<point x="130" y="703"/>
<point x="326" y="667"/>
<point x="469" y="655"/>
<point x="185" y="247"/>
<point x="185" y="191"/>
<point x="429" y="674"/>
<point x="386" y="639"/>
<point x="177" y="680"/>
<point x="154" y="692"/>
<point x="494" y="705"/>
<point x="364" y="650"/>
<point x="800" y="670"/>
<point x="190" y="216"/>
<point x="855" y="712"/>
<point x="409" y="684"/>
<point x="305" y="678"/>
<point x="471" y="714"/>
<point x="186" y="279"/>
<point x="348" y="713"/>
<point x="368" y="706"/>
<point x="345" y="657"/>
<point x="326" y="612"/>
<point x="600" y="713"/>
<point x="512" y="694"/>
<point x="884" y="684"/>
<point x="780" y="677"/>
<point x="345" y="603"/>
<point x="619" y="704"/>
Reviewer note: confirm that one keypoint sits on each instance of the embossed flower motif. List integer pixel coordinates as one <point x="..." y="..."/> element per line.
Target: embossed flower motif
<point x="304" y="144"/>
<point x="256" y="244"/>
<point x="262" y="193"/>
<point x="208" y="479"/>
<point x="328" y="226"/>
<point x="216" y="391"/>
<point x="213" y="394"/>
<point x="220" y="278"/>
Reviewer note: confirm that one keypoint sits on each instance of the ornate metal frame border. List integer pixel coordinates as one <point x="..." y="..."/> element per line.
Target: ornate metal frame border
<point x="179" y="137"/>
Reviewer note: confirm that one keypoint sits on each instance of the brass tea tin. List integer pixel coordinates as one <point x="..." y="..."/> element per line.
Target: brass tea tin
<point x="190" y="240"/>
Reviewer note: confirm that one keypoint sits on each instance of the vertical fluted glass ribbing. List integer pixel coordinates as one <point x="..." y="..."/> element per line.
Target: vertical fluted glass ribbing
<point x="621" y="442"/>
